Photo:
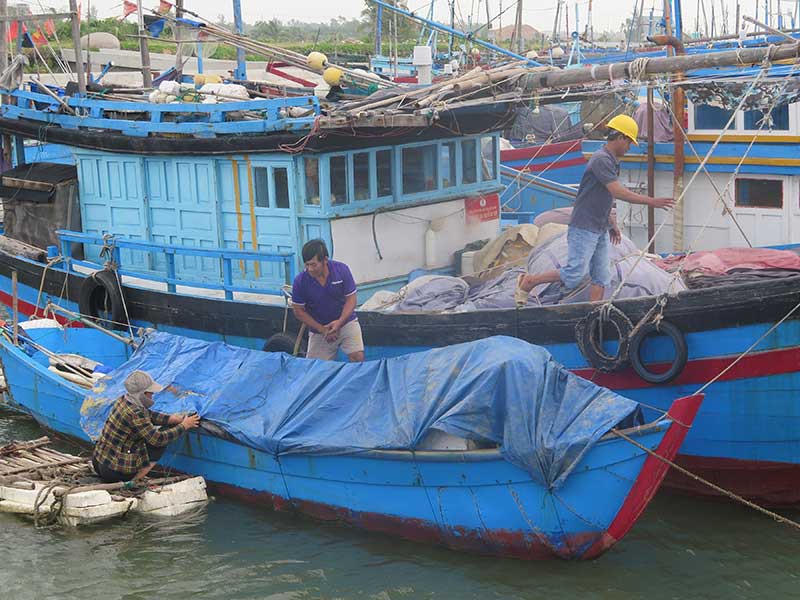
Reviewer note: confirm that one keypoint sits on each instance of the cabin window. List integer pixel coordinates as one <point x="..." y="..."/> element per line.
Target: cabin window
<point x="338" y="180"/>
<point x="469" y="167"/>
<point x="488" y="153"/>
<point x="759" y="193"/>
<point x="312" y="181"/>
<point x="448" y="155"/>
<point x="383" y="164"/>
<point x="261" y="183"/>
<point x="281" y="177"/>
<point x="420" y="171"/>
<point x="711" y="117"/>
<point x="779" y="119"/>
<point x="361" y="175"/>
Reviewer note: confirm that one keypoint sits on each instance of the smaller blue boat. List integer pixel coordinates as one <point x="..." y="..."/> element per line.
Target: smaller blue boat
<point x="541" y="472"/>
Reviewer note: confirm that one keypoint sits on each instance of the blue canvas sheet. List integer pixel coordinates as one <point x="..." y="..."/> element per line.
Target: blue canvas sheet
<point x="498" y="390"/>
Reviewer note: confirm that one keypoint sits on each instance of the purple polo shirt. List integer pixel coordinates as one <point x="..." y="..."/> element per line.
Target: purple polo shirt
<point x="325" y="303"/>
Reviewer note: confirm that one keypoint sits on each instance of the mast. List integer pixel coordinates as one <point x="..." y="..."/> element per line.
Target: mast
<point x="518" y="28"/>
<point x="241" y="64"/>
<point x="3" y="65"/>
<point x="176" y="33"/>
<point x="144" y="51"/>
<point x="378" y="30"/>
<point x="677" y="19"/>
<point x="452" y="23"/>
<point x="445" y="29"/>
<point x="75" y="19"/>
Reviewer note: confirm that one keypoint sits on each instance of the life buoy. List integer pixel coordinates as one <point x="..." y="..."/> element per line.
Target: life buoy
<point x="101" y="299"/>
<point x="283" y="342"/>
<point x="678" y="341"/>
<point x="587" y="335"/>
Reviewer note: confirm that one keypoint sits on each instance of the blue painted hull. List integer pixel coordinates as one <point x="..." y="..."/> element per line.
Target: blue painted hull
<point x="474" y="501"/>
<point x="747" y="436"/>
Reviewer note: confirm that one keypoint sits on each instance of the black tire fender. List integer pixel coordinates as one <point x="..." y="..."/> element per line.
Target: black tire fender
<point x="100" y="291"/>
<point x="587" y="335"/>
<point x="283" y="342"/>
<point x="678" y="341"/>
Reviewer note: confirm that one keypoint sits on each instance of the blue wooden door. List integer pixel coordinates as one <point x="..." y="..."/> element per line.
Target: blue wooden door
<point x="182" y="205"/>
<point x="112" y="193"/>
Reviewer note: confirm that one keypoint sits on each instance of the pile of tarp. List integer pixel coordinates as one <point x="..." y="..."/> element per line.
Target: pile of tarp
<point x="499" y="391"/>
<point x="494" y="287"/>
<point x="732" y="266"/>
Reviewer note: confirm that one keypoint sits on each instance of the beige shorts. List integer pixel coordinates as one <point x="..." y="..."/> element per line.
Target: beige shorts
<point x="349" y="341"/>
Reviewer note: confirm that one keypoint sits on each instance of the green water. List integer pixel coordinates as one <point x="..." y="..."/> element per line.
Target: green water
<point x="681" y="548"/>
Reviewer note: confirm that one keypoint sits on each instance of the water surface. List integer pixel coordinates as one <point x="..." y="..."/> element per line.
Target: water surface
<point x="681" y="548"/>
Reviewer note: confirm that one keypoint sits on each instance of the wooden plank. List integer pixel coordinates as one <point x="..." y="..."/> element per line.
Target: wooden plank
<point x="71" y="461"/>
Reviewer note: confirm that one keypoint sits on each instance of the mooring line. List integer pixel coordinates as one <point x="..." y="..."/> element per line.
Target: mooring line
<point x="713" y="486"/>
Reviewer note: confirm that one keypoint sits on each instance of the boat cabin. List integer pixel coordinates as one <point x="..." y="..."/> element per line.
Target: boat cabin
<point x="386" y="209"/>
<point x="756" y="167"/>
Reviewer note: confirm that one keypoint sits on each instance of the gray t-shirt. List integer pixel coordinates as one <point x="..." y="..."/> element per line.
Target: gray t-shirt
<point x="593" y="203"/>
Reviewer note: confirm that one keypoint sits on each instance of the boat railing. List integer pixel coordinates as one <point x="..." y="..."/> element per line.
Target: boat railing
<point x="225" y="257"/>
<point x="197" y="119"/>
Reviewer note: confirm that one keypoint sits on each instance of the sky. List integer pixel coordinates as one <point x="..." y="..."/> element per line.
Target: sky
<point x="607" y="14"/>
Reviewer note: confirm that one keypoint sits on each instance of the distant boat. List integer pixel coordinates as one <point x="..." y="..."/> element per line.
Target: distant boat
<point x="471" y="500"/>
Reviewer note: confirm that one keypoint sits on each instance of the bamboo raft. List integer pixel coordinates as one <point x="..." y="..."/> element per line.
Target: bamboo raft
<point x="53" y="487"/>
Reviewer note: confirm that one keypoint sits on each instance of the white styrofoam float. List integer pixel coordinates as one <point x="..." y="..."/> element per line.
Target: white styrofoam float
<point x="94" y="506"/>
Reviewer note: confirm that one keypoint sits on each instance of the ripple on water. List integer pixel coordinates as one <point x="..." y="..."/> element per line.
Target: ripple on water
<point x="681" y="548"/>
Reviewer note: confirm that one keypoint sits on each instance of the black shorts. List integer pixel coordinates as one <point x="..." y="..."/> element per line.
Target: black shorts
<point x="109" y="475"/>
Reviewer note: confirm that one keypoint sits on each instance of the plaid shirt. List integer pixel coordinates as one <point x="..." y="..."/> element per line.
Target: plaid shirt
<point x="123" y="444"/>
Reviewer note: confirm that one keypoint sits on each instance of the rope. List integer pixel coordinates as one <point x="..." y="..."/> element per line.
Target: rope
<point x="753" y="345"/>
<point x="638" y="69"/>
<point x="688" y="185"/>
<point x="50" y="263"/>
<point x="551" y="163"/>
<point x="713" y="486"/>
<point x="118" y="277"/>
<point x="721" y="195"/>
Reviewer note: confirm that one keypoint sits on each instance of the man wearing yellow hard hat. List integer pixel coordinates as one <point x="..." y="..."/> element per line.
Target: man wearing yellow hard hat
<point x="591" y="225"/>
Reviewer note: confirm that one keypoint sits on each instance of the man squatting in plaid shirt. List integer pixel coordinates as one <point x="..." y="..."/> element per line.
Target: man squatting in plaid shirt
<point x="134" y="437"/>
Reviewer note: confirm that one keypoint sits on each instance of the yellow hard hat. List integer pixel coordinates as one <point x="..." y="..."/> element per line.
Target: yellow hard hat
<point x="317" y="61"/>
<point x="332" y="76"/>
<point x="626" y="126"/>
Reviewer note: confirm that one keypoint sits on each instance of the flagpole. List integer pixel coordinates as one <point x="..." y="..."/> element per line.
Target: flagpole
<point x="147" y="75"/>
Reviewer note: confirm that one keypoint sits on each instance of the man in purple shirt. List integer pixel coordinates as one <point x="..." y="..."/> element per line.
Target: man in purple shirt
<point x="324" y="299"/>
<point x="592" y="225"/>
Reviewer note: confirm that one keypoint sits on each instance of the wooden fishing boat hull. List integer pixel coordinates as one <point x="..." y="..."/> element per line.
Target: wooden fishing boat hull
<point x="751" y="422"/>
<point x="473" y="501"/>
<point x="562" y="162"/>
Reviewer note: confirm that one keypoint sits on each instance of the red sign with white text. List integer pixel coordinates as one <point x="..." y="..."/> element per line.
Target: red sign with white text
<point x="482" y="208"/>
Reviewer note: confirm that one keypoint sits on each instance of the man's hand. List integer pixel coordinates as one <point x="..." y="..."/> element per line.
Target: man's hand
<point x="190" y="421"/>
<point x="332" y="331"/>
<point x="664" y="203"/>
<point x="615" y="235"/>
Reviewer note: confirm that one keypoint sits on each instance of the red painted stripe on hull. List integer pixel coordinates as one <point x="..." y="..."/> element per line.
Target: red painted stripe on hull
<point x="683" y="412"/>
<point x="508" y="544"/>
<point x="763" y="482"/>
<point x="551" y="166"/>
<point x="28" y="309"/>
<point x="757" y="364"/>
<point x="540" y="151"/>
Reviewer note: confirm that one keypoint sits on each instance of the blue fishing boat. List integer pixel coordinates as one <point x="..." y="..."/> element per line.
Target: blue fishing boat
<point x="543" y="474"/>
<point x="198" y="212"/>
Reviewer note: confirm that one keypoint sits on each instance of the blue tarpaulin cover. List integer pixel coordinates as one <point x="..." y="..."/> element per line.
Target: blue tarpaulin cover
<point x="498" y="390"/>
